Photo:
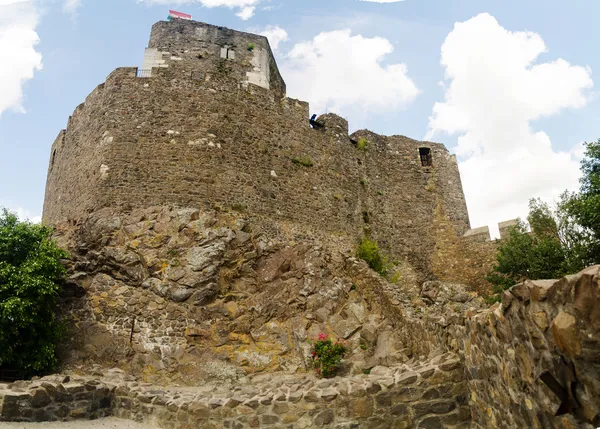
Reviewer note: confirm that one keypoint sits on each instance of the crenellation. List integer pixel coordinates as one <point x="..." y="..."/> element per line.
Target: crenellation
<point x="478" y="234"/>
<point x="505" y="226"/>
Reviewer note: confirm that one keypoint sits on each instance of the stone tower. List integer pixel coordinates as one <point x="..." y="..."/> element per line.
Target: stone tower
<point x="195" y="48"/>
<point x="206" y="123"/>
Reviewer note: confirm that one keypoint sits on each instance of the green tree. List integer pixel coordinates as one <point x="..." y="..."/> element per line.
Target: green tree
<point x="584" y="207"/>
<point x="30" y="271"/>
<point x="526" y="255"/>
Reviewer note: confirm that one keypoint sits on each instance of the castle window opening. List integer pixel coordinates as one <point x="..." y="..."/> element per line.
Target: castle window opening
<point x="426" y="158"/>
<point x="227" y="53"/>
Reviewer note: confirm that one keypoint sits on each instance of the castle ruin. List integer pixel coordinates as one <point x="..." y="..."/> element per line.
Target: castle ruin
<point x="213" y="229"/>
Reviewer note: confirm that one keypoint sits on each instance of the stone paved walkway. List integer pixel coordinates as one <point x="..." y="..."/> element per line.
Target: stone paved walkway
<point x="107" y="423"/>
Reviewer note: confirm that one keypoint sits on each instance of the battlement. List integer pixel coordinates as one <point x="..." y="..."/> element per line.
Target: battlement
<point x="199" y="50"/>
<point x="483" y="233"/>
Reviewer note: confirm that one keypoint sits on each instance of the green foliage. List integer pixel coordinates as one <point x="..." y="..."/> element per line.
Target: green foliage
<point x="251" y="46"/>
<point x="396" y="277"/>
<point x="363" y="182"/>
<point x="304" y="161"/>
<point x="368" y="250"/>
<point x="362" y="144"/>
<point x="556" y="246"/>
<point x="562" y="241"/>
<point x="30" y="270"/>
<point x="583" y="208"/>
<point x="327" y="356"/>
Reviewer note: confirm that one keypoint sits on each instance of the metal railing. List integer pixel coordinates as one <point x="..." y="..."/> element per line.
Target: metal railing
<point x="144" y="73"/>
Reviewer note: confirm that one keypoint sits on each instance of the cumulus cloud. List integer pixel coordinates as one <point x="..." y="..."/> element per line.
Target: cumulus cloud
<point x="18" y="39"/>
<point x="339" y="72"/>
<point x="275" y="34"/>
<point x="245" y="8"/>
<point x="494" y="89"/>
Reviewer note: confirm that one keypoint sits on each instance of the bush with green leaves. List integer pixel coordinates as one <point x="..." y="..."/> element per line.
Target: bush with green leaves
<point x="362" y="144"/>
<point x="368" y="250"/>
<point x="327" y="355"/>
<point x="30" y="272"/>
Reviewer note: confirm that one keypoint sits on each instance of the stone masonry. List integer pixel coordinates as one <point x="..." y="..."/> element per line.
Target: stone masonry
<point x="199" y="133"/>
<point x="212" y="234"/>
<point x="426" y="396"/>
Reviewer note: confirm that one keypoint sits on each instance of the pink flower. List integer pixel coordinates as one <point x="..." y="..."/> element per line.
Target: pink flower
<point x="322" y="336"/>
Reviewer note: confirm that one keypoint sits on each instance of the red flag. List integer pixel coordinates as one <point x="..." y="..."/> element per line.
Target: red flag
<point x="175" y="14"/>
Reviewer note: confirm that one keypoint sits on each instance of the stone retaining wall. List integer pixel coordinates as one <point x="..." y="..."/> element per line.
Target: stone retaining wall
<point x="534" y="360"/>
<point x="427" y="395"/>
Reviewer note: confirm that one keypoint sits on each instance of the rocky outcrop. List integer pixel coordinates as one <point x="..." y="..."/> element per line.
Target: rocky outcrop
<point x="183" y="295"/>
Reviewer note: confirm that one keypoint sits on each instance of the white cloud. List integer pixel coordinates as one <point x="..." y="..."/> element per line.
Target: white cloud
<point x="275" y="34"/>
<point x="339" y="72"/>
<point x="246" y="12"/>
<point x="246" y="7"/>
<point x="494" y="89"/>
<point x="71" y="6"/>
<point x="18" y="38"/>
<point x="22" y="213"/>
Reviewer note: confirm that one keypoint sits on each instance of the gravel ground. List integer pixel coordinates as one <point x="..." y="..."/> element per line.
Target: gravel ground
<point x="107" y="423"/>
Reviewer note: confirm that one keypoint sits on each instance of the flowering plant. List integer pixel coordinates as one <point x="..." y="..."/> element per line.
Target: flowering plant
<point x="327" y="355"/>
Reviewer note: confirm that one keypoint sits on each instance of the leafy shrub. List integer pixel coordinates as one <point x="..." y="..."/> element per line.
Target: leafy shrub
<point x="362" y="144"/>
<point x="368" y="250"/>
<point x="304" y="161"/>
<point x="251" y="46"/>
<point x="30" y="270"/>
<point x="327" y="356"/>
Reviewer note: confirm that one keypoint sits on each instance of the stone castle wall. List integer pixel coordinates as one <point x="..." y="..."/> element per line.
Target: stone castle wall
<point x="198" y="133"/>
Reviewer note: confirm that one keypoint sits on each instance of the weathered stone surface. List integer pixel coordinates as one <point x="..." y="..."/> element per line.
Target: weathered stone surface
<point x="566" y="333"/>
<point x="324" y="418"/>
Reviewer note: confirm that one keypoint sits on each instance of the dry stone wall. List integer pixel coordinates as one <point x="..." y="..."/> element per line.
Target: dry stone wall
<point x="426" y="395"/>
<point x="533" y="361"/>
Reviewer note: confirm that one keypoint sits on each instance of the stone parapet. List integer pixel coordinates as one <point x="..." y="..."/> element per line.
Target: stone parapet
<point x="478" y="234"/>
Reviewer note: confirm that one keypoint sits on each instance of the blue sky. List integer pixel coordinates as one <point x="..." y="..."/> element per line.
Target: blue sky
<point x="509" y="86"/>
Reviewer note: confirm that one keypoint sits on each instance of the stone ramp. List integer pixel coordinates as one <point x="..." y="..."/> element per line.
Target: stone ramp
<point x="426" y="395"/>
